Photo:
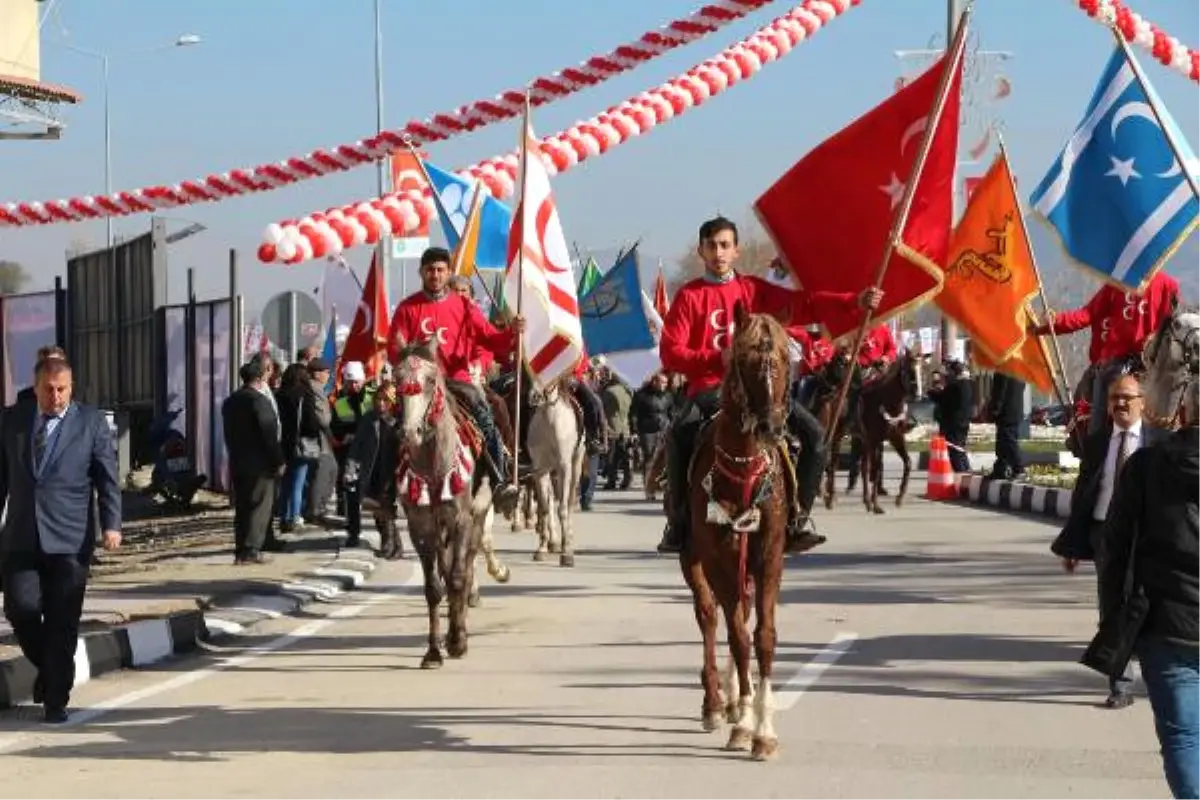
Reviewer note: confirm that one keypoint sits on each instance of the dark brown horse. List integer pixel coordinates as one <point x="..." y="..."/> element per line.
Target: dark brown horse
<point x="881" y="415"/>
<point x="829" y="379"/>
<point x="742" y="486"/>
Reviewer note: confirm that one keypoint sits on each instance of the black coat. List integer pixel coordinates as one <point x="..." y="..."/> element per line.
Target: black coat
<point x="953" y="405"/>
<point x="252" y="434"/>
<point x="374" y="455"/>
<point x="652" y="410"/>
<point x="1155" y="500"/>
<point x="1075" y="539"/>
<point x="1006" y="405"/>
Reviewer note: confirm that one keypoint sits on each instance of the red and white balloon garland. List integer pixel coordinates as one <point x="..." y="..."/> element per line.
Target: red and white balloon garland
<point x="596" y="70"/>
<point x="328" y="233"/>
<point x="1137" y="29"/>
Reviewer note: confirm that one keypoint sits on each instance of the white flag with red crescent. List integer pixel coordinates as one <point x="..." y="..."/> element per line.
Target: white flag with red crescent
<point x="539" y="265"/>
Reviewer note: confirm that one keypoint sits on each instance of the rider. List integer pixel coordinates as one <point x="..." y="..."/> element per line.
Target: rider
<point x="1120" y="324"/>
<point x="458" y="327"/>
<point x="806" y="430"/>
<point x="875" y="355"/>
<point x="695" y="341"/>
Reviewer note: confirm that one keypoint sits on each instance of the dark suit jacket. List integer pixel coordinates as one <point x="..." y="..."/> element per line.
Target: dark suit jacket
<point x="251" y="434"/>
<point x="55" y="512"/>
<point x="1006" y="406"/>
<point x="1075" y="539"/>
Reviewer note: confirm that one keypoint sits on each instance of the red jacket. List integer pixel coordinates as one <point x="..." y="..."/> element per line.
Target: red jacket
<point x="459" y="327"/>
<point x="820" y="354"/>
<point x="699" y="323"/>
<point x="877" y="345"/>
<point x="1120" y="321"/>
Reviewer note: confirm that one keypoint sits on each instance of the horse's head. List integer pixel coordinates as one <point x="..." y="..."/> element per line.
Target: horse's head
<point x="421" y="390"/>
<point x="1172" y="359"/>
<point x="909" y="366"/>
<point x="756" y="382"/>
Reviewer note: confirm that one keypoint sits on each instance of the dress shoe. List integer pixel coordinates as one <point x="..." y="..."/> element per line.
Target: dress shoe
<point x="671" y="540"/>
<point x="251" y="559"/>
<point x="53" y="715"/>
<point x="1118" y="700"/>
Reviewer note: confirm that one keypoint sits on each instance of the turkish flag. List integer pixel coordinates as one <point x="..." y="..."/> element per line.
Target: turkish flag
<point x="661" y="303"/>
<point x="367" y="341"/>
<point x="406" y="176"/>
<point x="832" y="213"/>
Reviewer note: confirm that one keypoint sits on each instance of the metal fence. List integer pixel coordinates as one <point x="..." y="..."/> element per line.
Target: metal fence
<point x="195" y="379"/>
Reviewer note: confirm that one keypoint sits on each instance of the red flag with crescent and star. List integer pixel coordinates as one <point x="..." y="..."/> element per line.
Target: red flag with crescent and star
<point x="831" y="214"/>
<point x="367" y="341"/>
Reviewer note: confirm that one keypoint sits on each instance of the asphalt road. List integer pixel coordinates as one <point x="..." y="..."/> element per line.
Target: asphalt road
<point x="930" y="652"/>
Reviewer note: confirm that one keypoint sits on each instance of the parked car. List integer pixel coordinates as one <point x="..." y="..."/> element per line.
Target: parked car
<point x="1053" y="415"/>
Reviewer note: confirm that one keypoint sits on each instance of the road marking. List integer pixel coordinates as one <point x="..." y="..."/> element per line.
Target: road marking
<point x="251" y="654"/>
<point x="808" y="674"/>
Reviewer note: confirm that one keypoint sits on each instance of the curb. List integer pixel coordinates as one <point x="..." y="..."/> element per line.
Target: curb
<point x="1015" y="496"/>
<point x="145" y="642"/>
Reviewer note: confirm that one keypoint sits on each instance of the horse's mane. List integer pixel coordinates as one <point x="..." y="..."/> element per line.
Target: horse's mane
<point x="757" y="328"/>
<point x="421" y="349"/>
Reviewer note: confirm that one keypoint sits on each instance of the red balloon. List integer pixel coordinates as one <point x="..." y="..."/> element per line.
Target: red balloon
<point x="266" y="253"/>
<point x="318" y="246"/>
<point x="296" y="259"/>
<point x="372" y="227"/>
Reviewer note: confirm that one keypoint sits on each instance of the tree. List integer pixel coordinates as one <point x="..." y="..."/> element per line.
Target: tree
<point x="13" y="277"/>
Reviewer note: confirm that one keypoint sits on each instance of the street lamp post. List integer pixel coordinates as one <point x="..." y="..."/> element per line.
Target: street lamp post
<point x="382" y="254"/>
<point x="186" y="40"/>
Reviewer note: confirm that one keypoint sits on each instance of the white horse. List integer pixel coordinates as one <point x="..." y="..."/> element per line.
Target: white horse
<point x="487" y="544"/>
<point x="1172" y="359"/>
<point x="556" y="452"/>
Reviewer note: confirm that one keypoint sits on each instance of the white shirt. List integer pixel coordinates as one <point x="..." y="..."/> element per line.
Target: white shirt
<point x="266" y="392"/>
<point x="1107" y="477"/>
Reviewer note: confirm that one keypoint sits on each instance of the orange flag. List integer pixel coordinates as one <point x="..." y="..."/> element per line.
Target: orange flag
<point x="661" y="303"/>
<point x="1031" y="363"/>
<point x="990" y="277"/>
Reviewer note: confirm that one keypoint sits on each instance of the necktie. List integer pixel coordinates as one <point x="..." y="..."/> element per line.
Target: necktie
<point x="39" y="439"/>
<point x="1122" y="454"/>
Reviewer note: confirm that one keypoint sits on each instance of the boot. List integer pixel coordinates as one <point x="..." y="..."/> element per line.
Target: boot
<point x="672" y="539"/>
<point x="802" y="534"/>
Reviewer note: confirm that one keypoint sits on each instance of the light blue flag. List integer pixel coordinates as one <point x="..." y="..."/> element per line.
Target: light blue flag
<point x="495" y="218"/>
<point x="1116" y="195"/>
<point x="329" y="352"/>
<point x="612" y="314"/>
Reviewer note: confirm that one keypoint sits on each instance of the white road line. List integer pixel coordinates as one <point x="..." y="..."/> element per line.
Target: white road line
<point x="808" y="674"/>
<point x="251" y="654"/>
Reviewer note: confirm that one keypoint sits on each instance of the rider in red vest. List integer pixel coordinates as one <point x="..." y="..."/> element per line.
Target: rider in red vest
<point x="1120" y="323"/>
<point x="878" y="348"/>
<point x="458" y="327"/>
<point x="695" y="342"/>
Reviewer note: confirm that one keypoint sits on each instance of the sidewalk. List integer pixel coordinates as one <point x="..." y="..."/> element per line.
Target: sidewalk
<point x="174" y="587"/>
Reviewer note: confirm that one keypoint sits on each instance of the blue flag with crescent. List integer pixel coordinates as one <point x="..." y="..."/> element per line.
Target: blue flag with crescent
<point x="612" y="314"/>
<point x="495" y="219"/>
<point x="1116" y="194"/>
<point x="329" y="352"/>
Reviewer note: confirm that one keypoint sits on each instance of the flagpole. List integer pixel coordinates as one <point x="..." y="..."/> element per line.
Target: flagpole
<point x="1141" y="79"/>
<point x="901" y="220"/>
<point x="437" y="198"/>
<point x="1037" y="274"/>
<point x="519" y="367"/>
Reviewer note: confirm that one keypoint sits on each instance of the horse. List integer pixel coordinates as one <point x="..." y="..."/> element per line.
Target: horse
<point x="882" y="416"/>
<point x="829" y="380"/>
<point x="742" y="486"/>
<point x="445" y="498"/>
<point x="1172" y="359"/>
<point x="556" y="452"/>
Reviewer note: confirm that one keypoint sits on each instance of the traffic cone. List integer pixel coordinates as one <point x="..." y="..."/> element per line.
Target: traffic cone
<point x="941" y="483"/>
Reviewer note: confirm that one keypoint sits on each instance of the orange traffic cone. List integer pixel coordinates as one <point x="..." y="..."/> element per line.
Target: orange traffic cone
<point x="941" y="483"/>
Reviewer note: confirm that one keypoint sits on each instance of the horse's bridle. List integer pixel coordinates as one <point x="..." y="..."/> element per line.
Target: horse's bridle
<point x="767" y="372"/>
<point x="1188" y="343"/>
<point x="433" y="411"/>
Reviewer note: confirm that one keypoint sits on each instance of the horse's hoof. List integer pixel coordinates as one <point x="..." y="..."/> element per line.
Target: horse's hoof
<point x="457" y="647"/>
<point x="432" y="660"/>
<point x="764" y="749"/>
<point x="555" y="547"/>
<point x="828" y="502"/>
<point x="899" y="501"/>
<point x="539" y="555"/>
<point x="502" y="575"/>
<point x="740" y="739"/>
<point x="712" y="720"/>
<point x="878" y="510"/>
<point x="566" y="560"/>
<point x="473" y="600"/>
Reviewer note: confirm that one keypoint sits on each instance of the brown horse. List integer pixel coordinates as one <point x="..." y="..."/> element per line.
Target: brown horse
<point x="742" y="486"/>
<point x="829" y="379"/>
<point x="882" y="416"/>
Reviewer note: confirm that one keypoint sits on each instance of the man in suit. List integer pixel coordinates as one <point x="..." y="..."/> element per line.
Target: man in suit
<point x="1006" y="407"/>
<point x="1104" y="456"/>
<point x="252" y="437"/>
<point x="57" y="458"/>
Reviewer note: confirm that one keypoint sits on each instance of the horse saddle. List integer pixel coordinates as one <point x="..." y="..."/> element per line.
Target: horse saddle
<point x="730" y="510"/>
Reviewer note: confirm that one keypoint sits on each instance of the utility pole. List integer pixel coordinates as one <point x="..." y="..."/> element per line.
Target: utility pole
<point x="383" y="253"/>
<point x="954" y="11"/>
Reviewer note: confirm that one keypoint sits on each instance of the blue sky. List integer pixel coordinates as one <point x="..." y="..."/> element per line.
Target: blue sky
<point x="274" y="79"/>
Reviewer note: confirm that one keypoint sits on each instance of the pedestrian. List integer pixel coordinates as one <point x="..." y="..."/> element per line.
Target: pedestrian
<point x="953" y="397"/>
<point x="53" y="461"/>
<point x="371" y="465"/>
<point x="1006" y="408"/>
<point x="301" y="448"/>
<point x="316" y="416"/>
<point x="354" y="399"/>
<point x="27" y="396"/>
<point x="652" y="406"/>
<point x="616" y="400"/>
<point x="1105" y="454"/>
<point x="1151" y="537"/>
<point x="252" y="438"/>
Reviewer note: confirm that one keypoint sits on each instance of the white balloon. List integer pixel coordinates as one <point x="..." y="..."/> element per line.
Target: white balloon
<point x="286" y="250"/>
<point x="273" y="235"/>
<point x="305" y="249"/>
<point x="411" y="220"/>
<point x="333" y="244"/>
<point x="358" y="234"/>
